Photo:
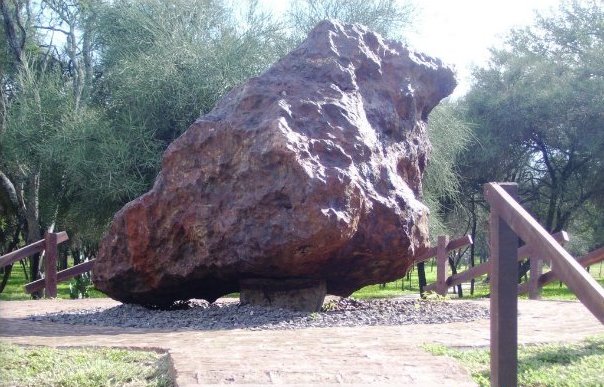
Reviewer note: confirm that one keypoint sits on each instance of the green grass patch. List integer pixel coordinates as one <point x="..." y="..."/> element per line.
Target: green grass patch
<point x="557" y="291"/>
<point x="42" y="366"/>
<point x="14" y="290"/>
<point x="539" y="365"/>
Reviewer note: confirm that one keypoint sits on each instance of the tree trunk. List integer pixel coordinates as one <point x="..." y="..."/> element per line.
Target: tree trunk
<point x="421" y="274"/>
<point x="32" y="219"/>
<point x="63" y="260"/>
<point x="453" y="267"/>
<point x="472" y="246"/>
<point x="87" y="55"/>
<point x="13" y="29"/>
<point x="8" y="195"/>
<point x="8" y="269"/>
<point x="77" y="256"/>
<point x="25" y="273"/>
<point x="5" y="276"/>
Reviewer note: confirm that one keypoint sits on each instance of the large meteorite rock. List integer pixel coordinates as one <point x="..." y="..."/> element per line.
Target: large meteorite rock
<point x="311" y="170"/>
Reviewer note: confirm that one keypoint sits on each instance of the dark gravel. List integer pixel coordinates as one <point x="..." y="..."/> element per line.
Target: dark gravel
<point x="345" y="312"/>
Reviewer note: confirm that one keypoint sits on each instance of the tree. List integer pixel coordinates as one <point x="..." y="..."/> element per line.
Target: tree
<point x="388" y="17"/>
<point x="67" y="166"/>
<point x="539" y="105"/>
<point x="179" y="59"/>
<point x="538" y="114"/>
<point x="449" y="135"/>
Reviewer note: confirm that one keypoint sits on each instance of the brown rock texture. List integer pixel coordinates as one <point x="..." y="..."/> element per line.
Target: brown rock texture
<point x="311" y="170"/>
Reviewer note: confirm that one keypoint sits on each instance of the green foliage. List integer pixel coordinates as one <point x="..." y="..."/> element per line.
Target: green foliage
<point x="179" y="59"/>
<point x="449" y="135"/>
<point x="538" y="107"/>
<point x="103" y="167"/>
<point x="32" y="366"/>
<point x="87" y="169"/>
<point x="33" y="116"/>
<point x="539" y="365"/>
<point x="388" y="17"/>
<point x="78" y="287"/>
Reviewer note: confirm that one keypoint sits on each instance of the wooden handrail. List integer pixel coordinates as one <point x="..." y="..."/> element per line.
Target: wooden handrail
<point x="484" y="268"/>
<point x="61" y="276"/>
<point x="451" y="246"/>
<point x="586" y="260"/>
<point x="28" y="250"/>
<point x="586" y="288"/>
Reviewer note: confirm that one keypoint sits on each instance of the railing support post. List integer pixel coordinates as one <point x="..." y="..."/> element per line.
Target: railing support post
<point x="535" y="273"/>
<point x="441" y="264"/>
<point x="50" y="264"/>
<point x="504" y="294"/>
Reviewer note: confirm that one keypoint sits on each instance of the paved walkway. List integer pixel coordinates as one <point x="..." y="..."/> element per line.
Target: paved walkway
<point x="362" y="355"/>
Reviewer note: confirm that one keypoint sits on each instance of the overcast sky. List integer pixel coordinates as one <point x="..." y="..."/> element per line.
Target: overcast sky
<point x="461" y="31"/>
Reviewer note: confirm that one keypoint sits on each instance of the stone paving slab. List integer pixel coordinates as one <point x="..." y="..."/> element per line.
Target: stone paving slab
<point x="350" y="355"/>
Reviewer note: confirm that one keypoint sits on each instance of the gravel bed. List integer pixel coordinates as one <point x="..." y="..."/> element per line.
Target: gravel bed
<point x="346" y="312"/>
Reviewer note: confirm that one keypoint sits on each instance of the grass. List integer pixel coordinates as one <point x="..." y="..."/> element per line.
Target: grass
<point x="410" y="285"/>
<point x="539" y="365"/>
<point x="41" y="366"/>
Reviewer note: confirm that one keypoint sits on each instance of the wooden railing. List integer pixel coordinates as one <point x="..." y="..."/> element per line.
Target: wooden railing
<point x="441" y="252"/>
<point x="509" y="221"/>
<point x="455" y="244"/>
<point x="61" y="276"/>
<point x="31" y="249"/>
<point x="540" y="280"/>
<point x="484" y="268"/>
<point x="49" y="245"/>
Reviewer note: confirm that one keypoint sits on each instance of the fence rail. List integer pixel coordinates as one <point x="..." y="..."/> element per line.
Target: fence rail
<point x="49" y="245"/>
<point x="485" y="268"/>
<point x="589" y="259"/>
<point x="455" y="244"/>
<point x="24" y="252"/>
<point x="62" y="275"/>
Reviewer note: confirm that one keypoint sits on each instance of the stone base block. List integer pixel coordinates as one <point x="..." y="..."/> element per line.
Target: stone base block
<point x="297" y="294"/>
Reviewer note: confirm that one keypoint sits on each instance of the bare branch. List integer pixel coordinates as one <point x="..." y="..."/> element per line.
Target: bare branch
<point x="51" y="28"/>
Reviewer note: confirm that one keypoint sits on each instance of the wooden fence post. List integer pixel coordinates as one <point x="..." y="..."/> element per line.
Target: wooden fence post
<point x="535" y="272"/>
<point x="504" y="294"/>
<point x="441" y="264"/>
<point x="50" y="264"/>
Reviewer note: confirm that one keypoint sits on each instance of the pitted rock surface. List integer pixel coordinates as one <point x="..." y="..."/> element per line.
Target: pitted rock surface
<point x="311" y="170"/>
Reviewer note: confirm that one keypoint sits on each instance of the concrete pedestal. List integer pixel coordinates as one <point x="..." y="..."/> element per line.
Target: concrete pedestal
<point x="297" y="294"/>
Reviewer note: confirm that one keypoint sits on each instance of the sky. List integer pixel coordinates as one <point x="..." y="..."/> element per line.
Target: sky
<point x="460" y="32"/>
